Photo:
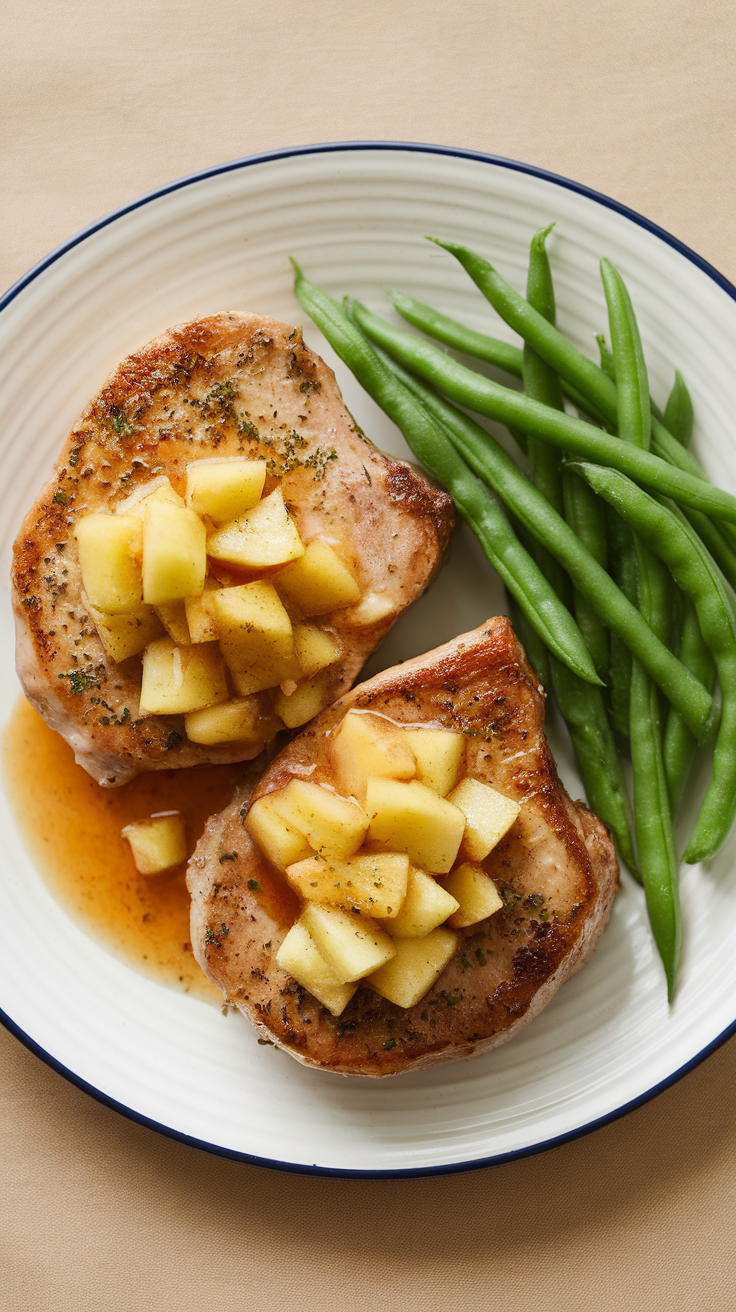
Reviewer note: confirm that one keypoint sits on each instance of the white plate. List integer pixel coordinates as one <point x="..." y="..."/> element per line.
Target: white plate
<point x="355" y="216"/>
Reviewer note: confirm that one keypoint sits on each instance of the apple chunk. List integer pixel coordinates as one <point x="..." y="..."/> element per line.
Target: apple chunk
<point x="375" y="884"/>
<point x="476" y="894"/>
<point x="125" y="635"/>
<point x="416" y="966"/>
<point x="439" y="754"/>
<point x="426" y="905"/>
<point x="302" y="959"/>
<point x="408" y="817"/>
<point x="277" y="839"/>
<point x="174" y="552"/>
<point x="353" y="946"/>
<point x="332" y="825"/>
<point x="488" y="816"/>
<point x="307" y="700"/>
<point x="314" y="649"/>
<point x="256" y="636"/>
<point x="236" y="721"/>
<point x="262" y="537"/>
<point x="110" y="549"/>
<point x="157" y="844"/>
<point x="200" y="616"/>
<point x="318" y="583"/>
<point x="225" y="488"/>
<point x="181" y="679"/>
<point x="367" y="745"/>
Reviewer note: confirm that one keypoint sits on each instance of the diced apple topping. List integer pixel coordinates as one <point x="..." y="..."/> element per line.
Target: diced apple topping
<point x="302" y="959"/>
<point x="174" y="619"/>
<point x="256" y="636"/>
<point x="181" y="679"/>
<point x="110" y="549"/>
<point x="416" y="965"/>
<point x="262" y="537"/>
<point x="426" y="905"/>
<point x="236" y="721"/>
<point x="174" y="552"/>
<point x="411" y="818"/>
<point x="157" y="844"/>
<point x="476" y="894"/>
<point x="126" y="635"/>
<point x="367" y="745"/>
<point x="319" y="582"/>
<point x="307" y="700"/>
<point x="354" y="946"/>
<point x="489" y="815"/>
<point x="278" y="840"/>
<point x="371" y="888"/>
<point x="144" y="571"/>
<point x="439" y="755"/>
<point x="223" y="489"/>
<point x="332" y="825"/>
<point x="314" y="649"/>
<point x="375" y="883"/>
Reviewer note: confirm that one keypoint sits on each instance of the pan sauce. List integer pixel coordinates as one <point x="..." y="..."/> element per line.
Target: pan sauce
<point x="71" y="828"/>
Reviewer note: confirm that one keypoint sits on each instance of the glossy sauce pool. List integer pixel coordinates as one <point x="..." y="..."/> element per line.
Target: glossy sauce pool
<point x="71" y="828"/>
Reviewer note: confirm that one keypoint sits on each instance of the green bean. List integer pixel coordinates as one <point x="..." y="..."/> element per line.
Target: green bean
<point x="678" y="412"/>
<point x="608" y="364"/>
<point x="679" y="744"/>
<point x="666" y="532"/>
<point x="668" y="448"/>
<point x="582" y="511"/>
<point x="541" y="383"/>
<point x="633" y="415"/>
<point x="495" y="466"/>
<point x="575" y="435"/>
<point x="501" y="354"/>
<point x="711" y="536"/>
<point x="597" y="384"/>
<point x="569" y="363"/>
<point x="625" y="364"/>
<point x="478" y="505"/>
<point x="478" y="345"/>
<point x="652" y="819"/>
<point x="573" y="367"/>
<point x="625" y="574"/>
<point x="608" y="367"/>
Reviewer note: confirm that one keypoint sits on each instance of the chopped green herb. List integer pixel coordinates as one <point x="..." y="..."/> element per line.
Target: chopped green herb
<point x="80" y="681"/>
<point x="228" y="856"/>
<point x="389" y="1044"/>
<point x="253" y="884"/>
<point x="60" y="498"/>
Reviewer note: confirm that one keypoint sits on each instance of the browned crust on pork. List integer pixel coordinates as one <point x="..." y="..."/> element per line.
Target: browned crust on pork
<point x="556" y="869"/>
<point x="232" y="384"/>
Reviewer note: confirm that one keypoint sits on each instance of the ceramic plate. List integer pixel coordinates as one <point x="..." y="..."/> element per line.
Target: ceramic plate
<point x="355" y="216"/>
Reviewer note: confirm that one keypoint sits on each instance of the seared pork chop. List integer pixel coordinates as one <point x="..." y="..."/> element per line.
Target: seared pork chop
<point x="229" y="385"/>
<point x="556" y="870"/>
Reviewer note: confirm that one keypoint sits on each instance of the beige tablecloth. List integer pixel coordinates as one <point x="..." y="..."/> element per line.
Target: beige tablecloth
<point x="101" y="101"/>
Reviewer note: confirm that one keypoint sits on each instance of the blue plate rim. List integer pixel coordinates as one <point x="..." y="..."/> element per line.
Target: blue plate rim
<point x="13" y="291"/>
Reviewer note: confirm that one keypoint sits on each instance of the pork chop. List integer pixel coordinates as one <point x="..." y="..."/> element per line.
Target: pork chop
<point x="556" y="870"/>
<point x="229" y="385"/>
